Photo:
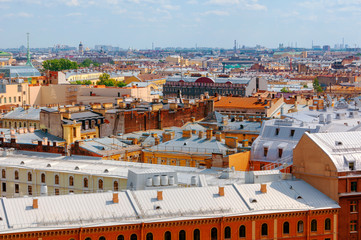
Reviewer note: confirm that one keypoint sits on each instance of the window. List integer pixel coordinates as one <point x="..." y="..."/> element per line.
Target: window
<point x="148" y="237"/>
<point x="286" y="228"/>
<point x="56" y="180"/>
<point x="115" y="186"/>
<point x="71" y="181"/>
<point x="265" y="151"/>
<point x="4" y="100"/>
<point x="88" y="238"/>
<point x="182" y="235"/>
<point x="214" y="234"/>
<point x="57" y="192"/>
<point x="227" y="232"/>
<point x="167" y="235"/>
<point x="264" y="229"/>
<point x="280" y="151"/>
<point x="43" y="177"/>
<point x="353" y="206"/>
<point x="74" y="132"/>
<point x="196" y="234"/>
<point x="100" y="184"/>
<point x="3" y="173"/>
<point x="353" y="186"/>
<point x="314" y="225"/>
<point x="102" y="238"/>
<point x="16" y="175"/>
<point x="242" y="231"/>
<point x="14" y="99"/>
<point x="9" y="99"/>
<point x="30" y="190"/>
<point x="3" y="187"/>
<point x="353" y="226"/>
<point x="328" y="224"/>
<point x="17" y="188"/>
<point x="30" y="177"/>
<point x="19" y="99"/>
<point x="277" y="131"/>
<point x="85" y="182"/>
<point x="133" y="237"/>
<point x="292" y="133"/>
<point x="300" y="227"/>
<point x="351" y="166"/>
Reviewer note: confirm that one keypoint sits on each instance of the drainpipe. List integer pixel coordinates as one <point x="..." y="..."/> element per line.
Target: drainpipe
<point x="308" y="225"/>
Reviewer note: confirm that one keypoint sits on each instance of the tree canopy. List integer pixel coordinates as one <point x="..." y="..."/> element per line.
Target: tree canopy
<point x="87" y="62"/>
<point x="59" y="64"/>
<point x="316" y="86"/>
<point x="105" y="79"/>
<point x="85" y="82"/>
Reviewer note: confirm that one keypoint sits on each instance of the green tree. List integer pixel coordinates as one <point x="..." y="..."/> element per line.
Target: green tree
<point x="285" y="90"/>
<point x="59" y="64"/>
<point x="316" y="86"/>
<point x="86" y="63"/>
<point x="105" y="79"/>
<point x="121" y="84"/>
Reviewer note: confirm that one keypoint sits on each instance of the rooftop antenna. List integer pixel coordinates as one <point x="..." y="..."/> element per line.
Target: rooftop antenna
<point x="28" y="62"/>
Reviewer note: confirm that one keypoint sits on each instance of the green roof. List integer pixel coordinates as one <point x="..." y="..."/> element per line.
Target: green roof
<point x="5" y="54"/>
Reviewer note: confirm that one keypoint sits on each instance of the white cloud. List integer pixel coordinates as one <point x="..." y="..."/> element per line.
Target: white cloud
<point x="19" y="15"/>
<point x="74" y="14"/>
<point x="243" y="4"/>
<point x="72" y="3"/>
<point x="215" y="12"/>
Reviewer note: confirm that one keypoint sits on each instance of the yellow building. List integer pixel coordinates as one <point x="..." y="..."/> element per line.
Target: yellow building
<point x="83" y="76"/>
<point x="15" y="93"/>
<point x="196" y="150"/>
<point x="22" y="117"/>
<point x="22" y="176"/>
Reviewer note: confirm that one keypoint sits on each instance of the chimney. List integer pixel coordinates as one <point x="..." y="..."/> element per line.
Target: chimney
<point x="194" y="131"/>
<point x="187" y="134"/>
<point x="209" y="134"/>
<point x="45" y="139"/>
<point x="13" y="139"/>
<point x="231" y="142"/>
<point x="12" y="131"/>
<point x="221" y="191"/>
<point x="263" y="188"/>
<point x="35" y="203"/>
<point x="193" y="119"/>
<point x="159" y="195"/>
<point x="218" y="136"/>
<point x="115" y="198"/>
<point x="200" y="134"/>
<point x="25" y="130"/>
<point x="245" y="143"/>
<point x="156" y="140"/>
<point x="167" y="136"/>
<point x="31" y="129"/>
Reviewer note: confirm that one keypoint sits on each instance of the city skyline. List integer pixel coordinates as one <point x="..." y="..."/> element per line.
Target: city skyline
<point x="167" y="23"/>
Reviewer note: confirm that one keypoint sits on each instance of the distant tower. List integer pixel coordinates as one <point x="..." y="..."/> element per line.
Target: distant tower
<point x="28" y="62"/>
<point x="81" y="49"/>
<point x="235" y="45"/>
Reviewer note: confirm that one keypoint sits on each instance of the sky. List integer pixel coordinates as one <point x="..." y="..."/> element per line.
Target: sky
<point x="180" y="23"/>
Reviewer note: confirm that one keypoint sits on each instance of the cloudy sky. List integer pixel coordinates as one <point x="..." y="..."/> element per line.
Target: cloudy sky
<point x="184" y="23"/>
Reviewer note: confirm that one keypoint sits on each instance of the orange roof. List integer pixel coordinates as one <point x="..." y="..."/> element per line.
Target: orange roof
<point x="149" y="77"/>
<point x="240" y="102"/>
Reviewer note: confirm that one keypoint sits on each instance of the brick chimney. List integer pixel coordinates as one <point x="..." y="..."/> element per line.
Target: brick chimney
<point x="245" y="143"/>
<point x="221" y="191"/>
<point x="187" y="134"/>
<point x="218" y="136"/>
<point x="231" y="142"/>
<point x="115" y="198"/>
<point x="209" y="134"/>
<point x="263" y="188"/>
<point x="35" y="203"/>
<point x="159" y="195"/>
<point x="200" y="134"/>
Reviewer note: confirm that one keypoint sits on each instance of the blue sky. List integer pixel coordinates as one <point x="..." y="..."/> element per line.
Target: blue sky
<point x="184" y="23"/>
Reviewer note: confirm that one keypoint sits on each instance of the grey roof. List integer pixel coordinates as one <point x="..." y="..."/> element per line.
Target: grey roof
<point x="21" y="71"/>
<point x="81" y="115"/>
<point x="29" y="114"/>
<point x="30" y="138"/>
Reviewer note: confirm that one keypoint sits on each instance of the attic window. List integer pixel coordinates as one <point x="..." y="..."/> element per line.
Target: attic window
<point x="277" y="131"/>
<point x="253" y="200"/>
<point x="351" y="166"/>
<point x="185" y="143"/>
<point x="106" y="171"/>
<point x="338" y="143"/>
<point x="76" y="168"/>
<point x="298" y="197"/>
<point x="49" y="165"/>
<point x="157" y="207"/>
<point x="292" y="133"/>
<point x="22" y="163"/>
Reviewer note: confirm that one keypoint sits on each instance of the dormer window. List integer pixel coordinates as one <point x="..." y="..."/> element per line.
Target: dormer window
<point x="265" y="151"/>
<point x="292" y="133"/>
<point x="351" y="166"/>
<point x="277" y="131"/>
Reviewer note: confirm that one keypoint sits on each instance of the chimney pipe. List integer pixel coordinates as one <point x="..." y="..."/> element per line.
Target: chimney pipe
<point x="160" y="195"/>
<point x="35" y="203"/>
<point x="221" y="191"/>
<point x="263" y="188"/>
<point x="115" y="198"/>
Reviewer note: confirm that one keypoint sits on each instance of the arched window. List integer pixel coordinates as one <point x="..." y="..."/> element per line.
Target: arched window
<point x="88" y="238"/>
<point x="3" y="173"/>
<point x="286" y="228"/>
<point x="30" y="177"/>
<point x="214" y="234"/>
<point x="100" y="184"/>
<point x="56" y="180"/>
<point x="300" y="227"/>
<point x="196" y="234"/>
<point x="71" y="181"/>
<point x="242" y="231"/>
<point x="102" y="238"/>
<point x="264" y="229"/>
<point x="227" y="232"/>
<point x="182" y="235"/>
<point x="328" y="224"/>
<point x="133" y="237"/>
<point x="43" y="177"/>
<point x="85" y="182"/>
<point x="167" y="235"/>
<point x="149" y="236"/>
<point x="314" y="225"/>
<point x="120" y="237"/>
<point x="116" y="186"/>
<point x="16" y="175"/>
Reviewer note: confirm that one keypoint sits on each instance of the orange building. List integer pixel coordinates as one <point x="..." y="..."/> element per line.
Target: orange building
<point x="276" y="210"/>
